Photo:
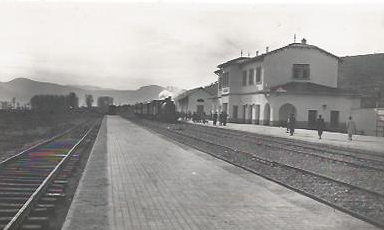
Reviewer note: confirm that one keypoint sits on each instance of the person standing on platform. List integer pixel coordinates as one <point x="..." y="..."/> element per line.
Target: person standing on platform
<point x="287" y="125"/>
<point x="225" y="116"/>
<point x="351" y="128"/>
<point x="203" y="118"/>
<point x="320" y="126"/>
<point x="221" y="118"/>
<point x="214" y="118"/>
<point x="292" y="123"/>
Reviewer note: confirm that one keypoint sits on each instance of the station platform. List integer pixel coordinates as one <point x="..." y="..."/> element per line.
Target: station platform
<point x="140" y="180"/>
<point x="359" y="142"/>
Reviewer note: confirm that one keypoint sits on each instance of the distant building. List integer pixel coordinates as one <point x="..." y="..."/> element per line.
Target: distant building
<point x="104" y="102"/>
<point x="298" y="79"/>
<point x="364" y="74"/>
<point x="197" y="100"/>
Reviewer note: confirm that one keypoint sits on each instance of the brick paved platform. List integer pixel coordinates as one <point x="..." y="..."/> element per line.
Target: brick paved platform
<point x="360" y="142"/>
<point x="152" y="183"/>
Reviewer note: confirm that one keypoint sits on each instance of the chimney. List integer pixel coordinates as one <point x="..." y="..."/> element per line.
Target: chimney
<point x="266" y="49"/>
<point x="304" y="41"/>
<point x="257" y="53"/>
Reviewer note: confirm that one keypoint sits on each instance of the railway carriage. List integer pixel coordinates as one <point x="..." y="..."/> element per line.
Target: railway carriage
<point x="162" y="110"/>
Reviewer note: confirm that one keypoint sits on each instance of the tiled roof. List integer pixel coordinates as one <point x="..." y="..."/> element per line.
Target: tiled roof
<point x="191" y="91"/>
<point x="234" y="61"/>
<point x="212" y="89"/>
<point x="245" y="60"/>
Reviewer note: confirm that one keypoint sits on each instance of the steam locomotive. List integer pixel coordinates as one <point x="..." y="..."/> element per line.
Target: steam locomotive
<point x="163" y="110"/>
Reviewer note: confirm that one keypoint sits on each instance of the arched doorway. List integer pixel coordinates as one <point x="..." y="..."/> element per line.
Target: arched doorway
<point x="284" y="112"/>
<point x="267" y="114"/>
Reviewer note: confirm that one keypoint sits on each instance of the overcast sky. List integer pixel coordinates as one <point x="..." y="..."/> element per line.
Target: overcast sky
<point x="126" y="45"/>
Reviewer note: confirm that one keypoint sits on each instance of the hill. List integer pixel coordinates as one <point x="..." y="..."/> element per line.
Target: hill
<point x="23" y="89"/>
<point x="365" y="75"/>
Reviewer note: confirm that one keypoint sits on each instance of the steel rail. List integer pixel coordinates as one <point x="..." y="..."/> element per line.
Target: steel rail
<point x="360" y="164"/>
<point x="15" y="157"/>
<point x="299" y="143"/>
<point x="23" y="212"/>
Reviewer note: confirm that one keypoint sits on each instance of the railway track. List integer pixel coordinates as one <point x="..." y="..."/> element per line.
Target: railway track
<point x="367" y="174"/>
<point x="360" y="202"/>
<point x="354" y="157"/>
<point x="33" y="182"/>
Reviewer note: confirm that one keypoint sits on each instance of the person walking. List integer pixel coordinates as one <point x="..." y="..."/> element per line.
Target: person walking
<point x="351" y="128"/>
<point x="320" y="126"/>
<point x="292" y="123"/>
<point x="214" y="118"/>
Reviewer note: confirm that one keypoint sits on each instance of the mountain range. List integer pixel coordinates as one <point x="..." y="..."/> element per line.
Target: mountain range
<point x="23" y="89"/>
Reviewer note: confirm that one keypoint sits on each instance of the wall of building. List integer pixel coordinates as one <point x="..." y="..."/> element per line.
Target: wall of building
<point x="365" y="120"/>
<point x="192" y="102"/>
<point x="182" y="105"/>
<point x="253" y="87"/>
<point x="278" y="66"/>
<point x="303" y="103"/>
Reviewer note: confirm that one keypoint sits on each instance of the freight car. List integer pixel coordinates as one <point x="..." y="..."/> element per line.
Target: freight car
<point x="162" y="110"/>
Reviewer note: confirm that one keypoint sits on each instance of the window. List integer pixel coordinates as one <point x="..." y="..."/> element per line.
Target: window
<point x="244" y="78"/>
<point x="251" y="77"/>
<point x="220" y="81"/>
<point x="300" y="71"/>
<point x="258" y="75"/>
<point x="225" y="80"/>
<point x="234" y="112"/>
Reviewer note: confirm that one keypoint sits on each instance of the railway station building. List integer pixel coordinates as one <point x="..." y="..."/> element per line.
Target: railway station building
<point x="299" y="79"/>
<point x="196" y="100"/>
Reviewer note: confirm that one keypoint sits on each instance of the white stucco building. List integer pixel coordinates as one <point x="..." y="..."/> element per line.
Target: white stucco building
<point x="298" y="78"/>
<point x="195" y="100"/>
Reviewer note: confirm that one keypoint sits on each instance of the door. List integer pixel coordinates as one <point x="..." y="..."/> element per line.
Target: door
<point x="199" y="109"/>
<point x="334" y="119"/>
<point x="250" y="114"/>
<point x="312" y="114"/>
<point x="257" y="114"/>
<point x="225" y="108"/>
<point x="244" y="113"/>
<point x="235" y="112"/>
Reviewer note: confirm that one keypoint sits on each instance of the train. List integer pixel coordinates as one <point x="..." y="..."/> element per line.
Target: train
<point x="163" y="110"/>
<point x="112" y="110"/>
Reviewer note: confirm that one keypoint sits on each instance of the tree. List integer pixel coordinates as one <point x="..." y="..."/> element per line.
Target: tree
<point x="53" y="103"/>
<point x="89" y="100"/>
<point x="73" y="100"/>
<point x="49" y="103"/>
<point x="14" y="103"/>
